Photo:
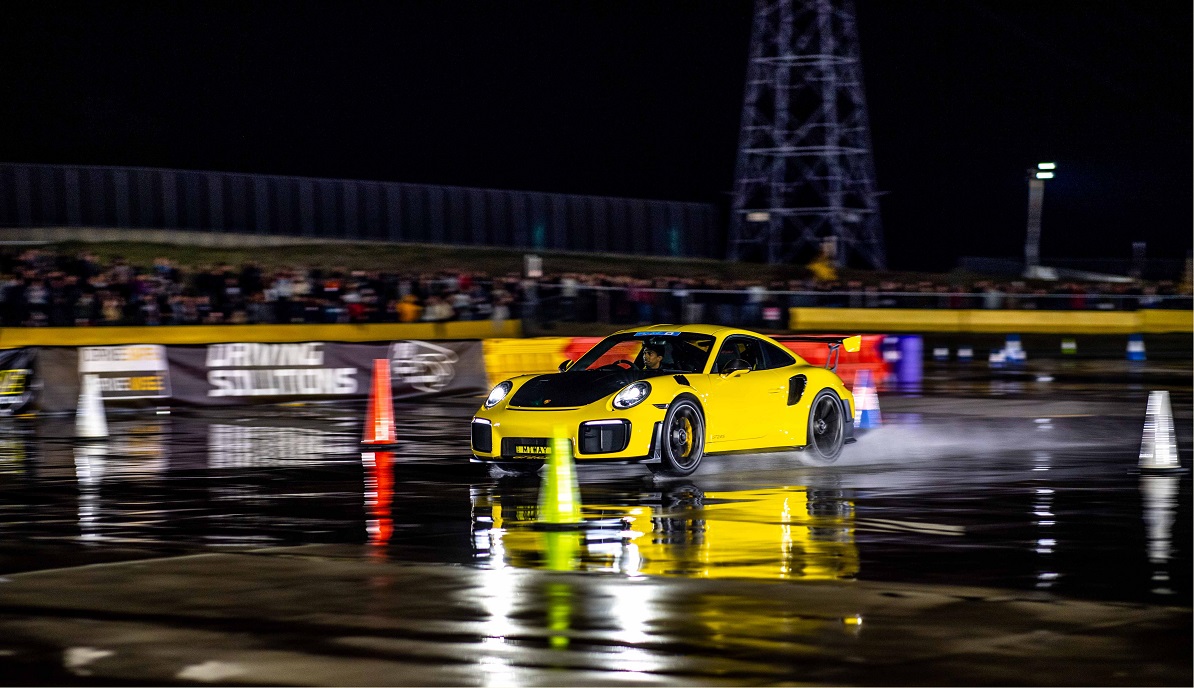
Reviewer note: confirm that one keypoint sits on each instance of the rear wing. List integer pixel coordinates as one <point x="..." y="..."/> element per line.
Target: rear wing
<point x="835" y="344"/>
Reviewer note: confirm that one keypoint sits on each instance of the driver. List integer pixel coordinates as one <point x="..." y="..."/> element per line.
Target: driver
<point x="652" y="356"/>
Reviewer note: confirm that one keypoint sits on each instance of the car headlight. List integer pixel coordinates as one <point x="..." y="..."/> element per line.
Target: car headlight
<point x="632" y="395"/>
<point x="498" y="394"/>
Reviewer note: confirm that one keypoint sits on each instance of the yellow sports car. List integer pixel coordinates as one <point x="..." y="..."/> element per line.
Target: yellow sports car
<point x="666" y="396"/>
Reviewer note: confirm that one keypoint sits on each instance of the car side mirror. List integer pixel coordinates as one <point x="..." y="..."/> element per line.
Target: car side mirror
<point x="564" y="366"/>
<point x="737" y="365"/>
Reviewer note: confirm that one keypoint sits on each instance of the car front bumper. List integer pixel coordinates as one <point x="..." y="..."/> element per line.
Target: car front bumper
<point x="512" y="435"/>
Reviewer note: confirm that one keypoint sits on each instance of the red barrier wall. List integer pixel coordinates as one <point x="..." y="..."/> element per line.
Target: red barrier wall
<point x="869" y="357"/>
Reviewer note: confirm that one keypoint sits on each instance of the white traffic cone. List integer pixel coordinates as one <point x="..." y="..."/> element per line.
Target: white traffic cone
<point x="866" y="402"/>
<point x="1158" y="447"/>
<point x="90" y="421"/>
<point x="1136" y="348"/>
<point x="1013" y="350"/>
<point x="997" y="358"/>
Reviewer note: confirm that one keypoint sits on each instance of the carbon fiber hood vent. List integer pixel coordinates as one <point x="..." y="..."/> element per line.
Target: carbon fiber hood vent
<point x="573" y="388"/>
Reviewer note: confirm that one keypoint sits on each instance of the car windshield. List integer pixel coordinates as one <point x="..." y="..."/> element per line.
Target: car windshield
<point x="672" y="352"/>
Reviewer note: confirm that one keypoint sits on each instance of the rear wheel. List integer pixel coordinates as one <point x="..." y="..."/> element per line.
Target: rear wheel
<point x="826" y="428"/>
<point x="682" y="439"/>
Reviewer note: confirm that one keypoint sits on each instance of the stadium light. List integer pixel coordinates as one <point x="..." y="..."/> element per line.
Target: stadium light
<point x="1036" y="197"/>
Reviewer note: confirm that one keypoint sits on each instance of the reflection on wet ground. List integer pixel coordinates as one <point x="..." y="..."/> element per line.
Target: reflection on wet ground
<point x="995" y="529"/>
<point x="961" y="486"/>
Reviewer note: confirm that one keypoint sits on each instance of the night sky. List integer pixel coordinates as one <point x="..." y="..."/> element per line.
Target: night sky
<point x="630" y="98"/>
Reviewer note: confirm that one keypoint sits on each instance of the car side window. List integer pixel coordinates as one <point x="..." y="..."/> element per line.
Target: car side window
<point x="751" y="352"/>
<point x="745" y="348"/>
<point x="775" y="357"/>
<point x="727" y="353"/>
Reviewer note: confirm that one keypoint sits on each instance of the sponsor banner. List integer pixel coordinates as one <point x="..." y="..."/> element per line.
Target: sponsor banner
<point x="419" y="367"/>
<point x="248" y="372"/>
<point x="139" y="371"/>
<point x="17" y="389"/>
<point x="239" y="373"/>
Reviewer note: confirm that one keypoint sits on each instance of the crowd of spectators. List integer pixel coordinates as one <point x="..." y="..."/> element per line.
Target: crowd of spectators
<point x="44" y="288"/>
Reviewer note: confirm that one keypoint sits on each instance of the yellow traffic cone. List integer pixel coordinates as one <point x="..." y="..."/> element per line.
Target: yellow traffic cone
<point x="559" y="496"/>
<point x="559" y="611"/>
<point x="1158" y="446"/>
<point x="561" y="549"/>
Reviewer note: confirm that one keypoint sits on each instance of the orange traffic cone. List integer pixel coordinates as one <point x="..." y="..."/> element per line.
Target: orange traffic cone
<point x="379" y="421"/>
<point x="379" y="496"/>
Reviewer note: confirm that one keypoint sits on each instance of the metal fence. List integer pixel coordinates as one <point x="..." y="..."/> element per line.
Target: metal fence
<point x="128" y="198"/>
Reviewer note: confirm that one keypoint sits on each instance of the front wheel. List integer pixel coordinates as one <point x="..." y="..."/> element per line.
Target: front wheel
<point x="682" y="439"/>
<point x="826" y="428"/>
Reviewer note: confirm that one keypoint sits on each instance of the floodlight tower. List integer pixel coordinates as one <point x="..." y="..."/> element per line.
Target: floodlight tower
<point x="805" y="175"/>
<point x="1036" y="198"/>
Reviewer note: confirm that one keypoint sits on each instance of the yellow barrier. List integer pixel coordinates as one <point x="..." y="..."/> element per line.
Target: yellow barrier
<point x="505" y="358"/>
<point x="1167" y="321"/>
<point x="996" y="321"/>
<point x="873" y="320"/>
<point x="12" y="337"/>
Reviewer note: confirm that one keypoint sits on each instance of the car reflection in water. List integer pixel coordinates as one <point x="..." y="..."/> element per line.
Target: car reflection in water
<point x="680" y="530"/>
<point x="788" y="533"/>
<point x="793" y="532"/>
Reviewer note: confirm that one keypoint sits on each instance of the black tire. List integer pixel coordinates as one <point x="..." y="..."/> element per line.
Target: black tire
<point x="826" y="428"/>
<point x="682" y="439"/>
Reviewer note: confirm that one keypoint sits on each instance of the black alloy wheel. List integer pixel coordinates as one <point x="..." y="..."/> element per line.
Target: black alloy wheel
<point x="826" y="428"/>
<point x="682" y="440"/>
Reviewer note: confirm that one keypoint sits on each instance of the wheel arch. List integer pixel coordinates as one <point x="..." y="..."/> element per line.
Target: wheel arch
<point x="691" y="395"/>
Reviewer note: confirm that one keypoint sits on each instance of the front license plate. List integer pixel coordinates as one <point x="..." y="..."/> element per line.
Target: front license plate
<point x="526" y="448"/>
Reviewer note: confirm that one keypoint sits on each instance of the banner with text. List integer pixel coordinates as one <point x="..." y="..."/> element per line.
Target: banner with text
<point x="239" y="373"/>
<point x="17" y="388"/>
<point x="138" y="371"/>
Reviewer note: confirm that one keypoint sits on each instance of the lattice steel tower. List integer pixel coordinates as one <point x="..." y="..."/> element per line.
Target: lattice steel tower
<point x="805" y="172"/>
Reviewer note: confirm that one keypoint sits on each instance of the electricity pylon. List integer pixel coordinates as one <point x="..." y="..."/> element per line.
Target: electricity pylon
<point x="805" y="175"/>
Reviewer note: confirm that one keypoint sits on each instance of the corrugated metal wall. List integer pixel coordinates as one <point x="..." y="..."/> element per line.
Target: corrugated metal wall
<point x="125" y="198"/>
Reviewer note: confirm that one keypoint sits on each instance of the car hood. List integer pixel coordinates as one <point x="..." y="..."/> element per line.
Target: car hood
<point x="573" y="388"/>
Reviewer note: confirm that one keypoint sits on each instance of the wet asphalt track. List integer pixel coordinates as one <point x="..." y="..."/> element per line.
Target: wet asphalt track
<point x="994" y="530"/>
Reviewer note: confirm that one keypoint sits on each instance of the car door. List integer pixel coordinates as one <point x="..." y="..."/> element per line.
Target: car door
<point x="736" y="402"/>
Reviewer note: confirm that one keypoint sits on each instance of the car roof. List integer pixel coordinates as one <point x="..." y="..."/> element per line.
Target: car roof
<point x="711" y="330"/>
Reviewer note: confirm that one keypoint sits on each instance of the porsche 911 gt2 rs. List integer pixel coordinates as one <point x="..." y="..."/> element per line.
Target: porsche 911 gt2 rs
<point x="666" y="396"/>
